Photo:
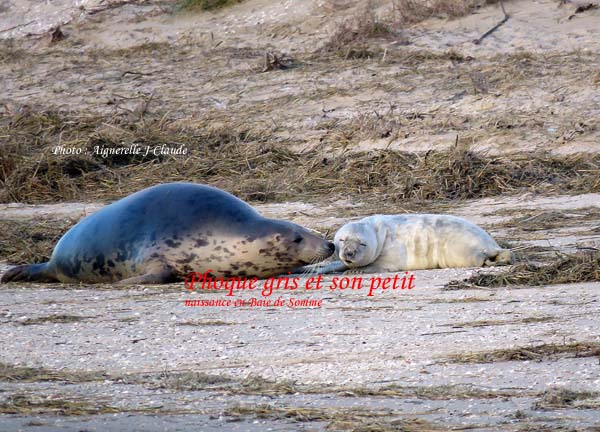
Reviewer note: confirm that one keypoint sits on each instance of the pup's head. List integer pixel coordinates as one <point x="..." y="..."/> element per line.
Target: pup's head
<point x="356" y="244"/>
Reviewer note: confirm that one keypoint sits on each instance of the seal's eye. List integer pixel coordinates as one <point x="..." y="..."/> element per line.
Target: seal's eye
<point x="298" y="239"/>
<point x="363" y="244"/>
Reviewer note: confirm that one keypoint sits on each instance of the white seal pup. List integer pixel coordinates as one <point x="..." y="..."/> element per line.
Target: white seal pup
<point x="393" y="243"/>
<point x="165" y="232"/>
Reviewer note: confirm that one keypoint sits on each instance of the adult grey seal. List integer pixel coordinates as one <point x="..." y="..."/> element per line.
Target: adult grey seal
<point x="162" y="233"/>
<point x="392" y="243"/>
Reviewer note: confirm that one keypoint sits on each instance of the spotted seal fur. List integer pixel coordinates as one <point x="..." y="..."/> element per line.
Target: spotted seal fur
<point x="162" y="233"/>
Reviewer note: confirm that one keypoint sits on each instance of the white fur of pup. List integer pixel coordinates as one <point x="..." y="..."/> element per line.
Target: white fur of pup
<point x="392" y="243"/>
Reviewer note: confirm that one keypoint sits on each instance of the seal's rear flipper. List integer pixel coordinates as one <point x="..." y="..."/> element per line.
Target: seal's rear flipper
<point x="502" y="257"/>
<point x="29" y="273"/>
<point x="159" y="277"/>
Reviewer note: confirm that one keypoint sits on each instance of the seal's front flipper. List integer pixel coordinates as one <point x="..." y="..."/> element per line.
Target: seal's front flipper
<point x="158" y="277"/>
<point x="29" y="273"/>
<point x="321" y="268"/>
<point x="371" y="268"/>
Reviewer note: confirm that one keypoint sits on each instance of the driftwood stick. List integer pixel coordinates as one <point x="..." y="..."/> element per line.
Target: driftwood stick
<point x="496" y="27"/>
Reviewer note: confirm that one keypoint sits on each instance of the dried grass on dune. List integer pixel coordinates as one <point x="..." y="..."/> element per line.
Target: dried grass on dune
<point x="252" y="164"/>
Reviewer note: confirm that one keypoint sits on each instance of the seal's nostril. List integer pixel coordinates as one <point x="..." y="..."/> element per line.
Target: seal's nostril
<point x="331" y="247"/>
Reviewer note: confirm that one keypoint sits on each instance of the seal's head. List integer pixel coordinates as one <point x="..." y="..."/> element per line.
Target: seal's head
<point x="282" y="246"/>
<point x="356" y="244"/>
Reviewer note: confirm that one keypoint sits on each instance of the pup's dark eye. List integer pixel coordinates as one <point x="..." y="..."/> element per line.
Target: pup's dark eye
<point x="363" y="244"/>
<point x="298" y="240"/>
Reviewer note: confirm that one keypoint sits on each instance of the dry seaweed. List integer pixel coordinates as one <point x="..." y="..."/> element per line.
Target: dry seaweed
<point x="27" y="242"/>
<point x="573" y="268"/>
<point x="14" y="373"/>
<point x="412" y="11"/>
<point x="207" y="4"/>
<point x="200" y="381"/>
<point x="351" y="37"/>
<point x="446" y="392"/>
<point x="340" y="419"/>
<point x="33" y="405"/>
<point x="257" y="385"/>
<point x="537" y="352"/>
<point x="488" y="323"/>
<point x="55" y="319"/>
<point x="556" y="398"/>
<point x="248" y="162"/>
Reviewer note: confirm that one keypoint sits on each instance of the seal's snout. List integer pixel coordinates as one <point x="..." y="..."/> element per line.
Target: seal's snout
<point x="349" y="254"/>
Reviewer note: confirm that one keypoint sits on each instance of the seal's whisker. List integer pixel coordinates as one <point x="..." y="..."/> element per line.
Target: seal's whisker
<point x="308" y="269"/>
